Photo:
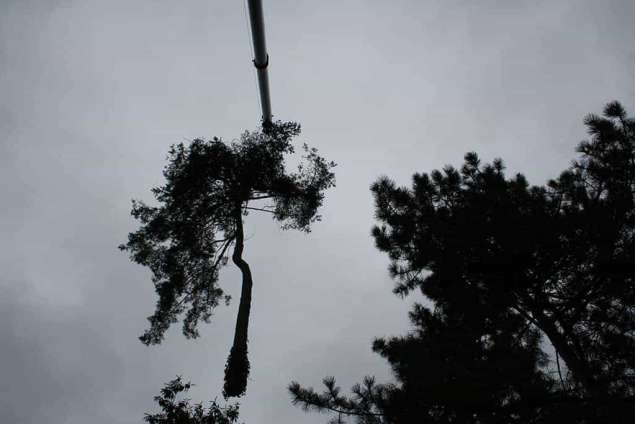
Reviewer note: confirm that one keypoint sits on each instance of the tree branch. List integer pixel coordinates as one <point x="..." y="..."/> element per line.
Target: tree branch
<point x="228" y="242"/>
<point x="268" y="196"/>
<point x="559" y="372"/>
<point x="258" y="209"/>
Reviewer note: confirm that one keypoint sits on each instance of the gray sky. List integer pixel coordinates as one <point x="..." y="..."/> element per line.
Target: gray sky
<point x="94" y="92"/>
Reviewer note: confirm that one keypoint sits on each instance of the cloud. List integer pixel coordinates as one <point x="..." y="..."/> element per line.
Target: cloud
<point x="55" y="367"/>
<point x="94" y="92"/>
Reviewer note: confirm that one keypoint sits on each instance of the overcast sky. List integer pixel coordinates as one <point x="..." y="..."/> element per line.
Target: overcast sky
<point x="94" y="92"/>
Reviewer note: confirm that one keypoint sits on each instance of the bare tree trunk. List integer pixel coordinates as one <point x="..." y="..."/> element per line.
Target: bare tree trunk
<point x="237" y="367"/>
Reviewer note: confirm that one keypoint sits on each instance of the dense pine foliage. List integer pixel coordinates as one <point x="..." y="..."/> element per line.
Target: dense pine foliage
<point x="175" y="409"/>
<point x="532" y="293"/>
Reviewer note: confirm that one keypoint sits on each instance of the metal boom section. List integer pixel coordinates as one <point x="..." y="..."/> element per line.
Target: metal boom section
<point x="261" y="58"/>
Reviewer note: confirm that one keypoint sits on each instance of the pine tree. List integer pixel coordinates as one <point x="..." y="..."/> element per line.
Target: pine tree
<point x="210" y="186"/>
<point x="510" y="269"/>
<point x="178" y="410"/>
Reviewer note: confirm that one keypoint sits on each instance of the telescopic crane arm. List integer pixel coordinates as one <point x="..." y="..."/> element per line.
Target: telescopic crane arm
<point x="261" y="58"/>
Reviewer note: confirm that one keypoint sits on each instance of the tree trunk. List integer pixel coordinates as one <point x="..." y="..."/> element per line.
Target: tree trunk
<point x="237" y="367"/>
<point x="576" y="365"/>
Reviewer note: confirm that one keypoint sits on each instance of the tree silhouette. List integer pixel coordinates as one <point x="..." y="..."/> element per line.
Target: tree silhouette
<point x="180" y="411"/>
<point x="507" y="265"/>
<point x="210" y="186"/>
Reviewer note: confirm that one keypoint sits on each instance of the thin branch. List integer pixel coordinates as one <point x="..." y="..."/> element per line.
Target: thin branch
<point x="342" y="411"/>
<point x="223" y="250"/>
<point x="258" y="209"/>
<point x="329" y="405"/>
<point x="221" y="240"/>
<point x="560" y="372"/>
<point x="268" y="196"/>
<point x="528" y="317"/>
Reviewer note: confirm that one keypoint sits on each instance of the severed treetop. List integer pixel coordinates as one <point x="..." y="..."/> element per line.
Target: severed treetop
<point x="209" y="186"/>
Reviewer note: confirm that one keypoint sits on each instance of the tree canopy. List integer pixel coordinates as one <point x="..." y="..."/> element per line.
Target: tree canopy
<point x="514" y="272"/>
<point x="176" y="409"/>
<point x="209" y="187"/>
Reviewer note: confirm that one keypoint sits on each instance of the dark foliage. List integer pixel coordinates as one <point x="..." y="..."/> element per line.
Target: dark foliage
<point x="511" y="269"/>
<point x="237" y="361"/>
<point x="210" y="186"/>
<point x="179" y="411"/>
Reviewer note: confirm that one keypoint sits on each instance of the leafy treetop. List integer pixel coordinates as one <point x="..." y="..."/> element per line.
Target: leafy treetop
<point x="209" y="186"/>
